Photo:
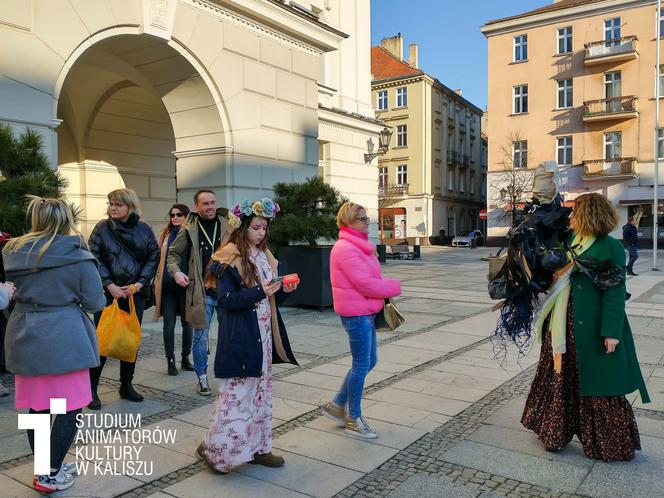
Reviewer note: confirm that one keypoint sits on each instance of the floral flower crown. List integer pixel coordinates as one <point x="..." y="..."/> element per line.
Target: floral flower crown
<point x="264" y="207"/>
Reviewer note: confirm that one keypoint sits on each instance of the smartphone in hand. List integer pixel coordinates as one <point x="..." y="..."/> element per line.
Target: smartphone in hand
<point x="275" y="280"/>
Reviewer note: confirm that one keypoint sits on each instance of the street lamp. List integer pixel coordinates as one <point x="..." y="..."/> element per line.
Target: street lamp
<point x="384" y="138"/>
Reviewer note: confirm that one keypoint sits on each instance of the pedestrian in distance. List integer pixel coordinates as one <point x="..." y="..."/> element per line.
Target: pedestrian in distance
<point x="588" y="360"/>
<point x="128" y="256"/>
<point x="359" y="292"/>
<point x="51" y="342"/>
<point x="631" y="241"/>
<point x="198" y="239"/>
<point x="170" y="298"/>
<point x="251" y="338"/>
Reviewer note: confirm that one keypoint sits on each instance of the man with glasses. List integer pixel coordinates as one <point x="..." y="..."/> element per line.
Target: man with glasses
<point x="205" y="230"/>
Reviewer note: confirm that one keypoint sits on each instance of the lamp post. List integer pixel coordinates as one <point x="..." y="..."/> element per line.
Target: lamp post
<point x="655" y="210"/>
<point x="384" y="138"/>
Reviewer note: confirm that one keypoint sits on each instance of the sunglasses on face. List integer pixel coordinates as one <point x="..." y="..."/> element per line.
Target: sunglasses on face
<point x="176" y="215"/>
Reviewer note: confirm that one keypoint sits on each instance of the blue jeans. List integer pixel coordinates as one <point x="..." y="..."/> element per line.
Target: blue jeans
<point x="362" y="337"/>
<point x="201" y="339"/>
<point x="633" y="256"/>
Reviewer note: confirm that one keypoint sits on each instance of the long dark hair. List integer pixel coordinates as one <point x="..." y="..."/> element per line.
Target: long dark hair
<point x="169" y="226"/>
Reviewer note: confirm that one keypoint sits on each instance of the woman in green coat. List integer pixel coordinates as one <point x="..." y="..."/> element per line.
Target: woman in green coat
<point x="588" y="360"/>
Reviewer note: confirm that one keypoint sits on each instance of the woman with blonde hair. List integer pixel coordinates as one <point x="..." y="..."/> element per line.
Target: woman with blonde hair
<point x="128" y="255"/>
<point x="588" y="359"/>
<point x="51" y="342"/>
<point x="359" y="292"/>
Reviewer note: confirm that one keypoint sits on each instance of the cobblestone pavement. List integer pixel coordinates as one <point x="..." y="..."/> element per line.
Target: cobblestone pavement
<point x="447" y="411"/>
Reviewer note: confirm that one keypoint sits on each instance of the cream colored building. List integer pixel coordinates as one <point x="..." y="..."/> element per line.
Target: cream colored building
<point x="169" y="96"/>
<point x="432" y="175"/>
<point x="574" y="81"/>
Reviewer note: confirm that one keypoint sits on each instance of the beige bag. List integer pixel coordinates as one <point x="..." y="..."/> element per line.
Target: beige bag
<point x="389" y="318"/>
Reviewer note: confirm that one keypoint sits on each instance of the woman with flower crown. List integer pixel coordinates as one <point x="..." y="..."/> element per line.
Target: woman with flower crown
<point x="251" y="338"/>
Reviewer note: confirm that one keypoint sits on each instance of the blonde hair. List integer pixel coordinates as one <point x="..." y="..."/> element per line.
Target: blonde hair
<point x="594" y="215"/>
<point x="125" y="196"/>
<point x="347" y="213"/>
<point x="49" y="217"/>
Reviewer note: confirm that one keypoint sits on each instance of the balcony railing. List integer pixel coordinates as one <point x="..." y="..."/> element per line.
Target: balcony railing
<point x="452" y="157"/>
<point x="393" y="190"/>
<point x="616" y="49"/>
<point x="465" y="160"/>
<point x="610" y="168"/>
<point x="611" y="108"/>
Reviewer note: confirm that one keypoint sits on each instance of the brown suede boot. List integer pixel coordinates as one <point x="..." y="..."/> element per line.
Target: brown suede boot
<point x="268" y="460"/>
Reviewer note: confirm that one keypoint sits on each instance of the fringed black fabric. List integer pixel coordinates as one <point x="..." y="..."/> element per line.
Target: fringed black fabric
<point x="515" y="326"/>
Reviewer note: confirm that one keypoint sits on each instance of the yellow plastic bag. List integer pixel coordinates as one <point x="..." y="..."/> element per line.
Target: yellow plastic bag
<point x="118" y="332"/>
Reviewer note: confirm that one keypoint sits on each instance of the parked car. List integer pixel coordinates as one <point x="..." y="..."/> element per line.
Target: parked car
<point x="473" y="239"/>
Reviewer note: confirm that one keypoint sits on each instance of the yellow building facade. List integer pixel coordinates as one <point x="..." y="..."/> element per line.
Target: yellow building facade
<point x="432" y="177"/>
<point x="574" y="82"/>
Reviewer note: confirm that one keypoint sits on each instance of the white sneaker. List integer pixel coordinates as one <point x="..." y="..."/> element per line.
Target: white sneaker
<point x="49" y="484"/>
<point x="69" y="468"/>
<point x="204" y="386"/>
<point x="359" y="428"/>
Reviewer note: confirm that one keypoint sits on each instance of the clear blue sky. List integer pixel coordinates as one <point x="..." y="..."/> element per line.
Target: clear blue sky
<point x="452" y="48"/>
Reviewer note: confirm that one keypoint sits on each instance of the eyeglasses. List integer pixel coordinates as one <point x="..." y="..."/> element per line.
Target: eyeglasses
<point x="364" y="219"/>
<point x="176" y="215"/>
<point x="116" y="204"/>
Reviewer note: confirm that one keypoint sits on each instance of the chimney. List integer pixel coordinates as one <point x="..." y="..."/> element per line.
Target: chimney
<point x="413" y="55"/>
<point x="459" y="92"/>
<point x="394" y="45"/>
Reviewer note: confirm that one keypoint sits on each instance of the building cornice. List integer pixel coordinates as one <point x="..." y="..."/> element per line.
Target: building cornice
<point x="353" y="122"/>
<point x="268" y="18"/>
<point x="562" y="15"/>
<point x="202" y="152"/>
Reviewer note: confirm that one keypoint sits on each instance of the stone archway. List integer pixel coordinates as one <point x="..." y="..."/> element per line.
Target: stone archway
<point x="127" y="104"/>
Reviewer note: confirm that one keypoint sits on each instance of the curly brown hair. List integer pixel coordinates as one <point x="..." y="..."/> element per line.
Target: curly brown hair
<point x="594" y="215"/>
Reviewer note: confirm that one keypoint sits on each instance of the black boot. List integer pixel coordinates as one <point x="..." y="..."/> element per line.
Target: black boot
<point x="172" y="370"/>
<point x="95" y="404"/>
<point x="127" y="392"/>
<point x="186" y="364"/>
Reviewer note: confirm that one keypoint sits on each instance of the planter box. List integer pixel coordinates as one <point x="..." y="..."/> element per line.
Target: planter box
<point x="312" y="264"/>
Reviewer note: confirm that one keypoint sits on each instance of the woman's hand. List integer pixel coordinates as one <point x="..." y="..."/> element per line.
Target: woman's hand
<point x="610" y="344"/>
<point x="290" y="287"/>
<point x="9" y="287"/>
<point x="270" y="290"/>
<point x="115" y="291"/>
<point x="132" y="288"/>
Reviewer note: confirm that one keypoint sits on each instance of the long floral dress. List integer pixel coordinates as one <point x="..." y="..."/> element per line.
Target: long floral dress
<point x="242" y="418"/>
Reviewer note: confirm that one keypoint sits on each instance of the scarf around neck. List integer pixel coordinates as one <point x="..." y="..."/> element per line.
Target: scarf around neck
<point x="555" y="305"/>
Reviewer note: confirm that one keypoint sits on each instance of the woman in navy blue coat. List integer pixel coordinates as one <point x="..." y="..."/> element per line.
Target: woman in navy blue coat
<point x="251" y="338"/>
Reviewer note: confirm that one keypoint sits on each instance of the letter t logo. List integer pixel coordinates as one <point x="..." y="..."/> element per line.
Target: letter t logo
<point x="41" y="424"/>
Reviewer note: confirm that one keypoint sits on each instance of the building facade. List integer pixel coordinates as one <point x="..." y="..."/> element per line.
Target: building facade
<point x="574" y="82"/>
<point x="169" y="96"/>
<point x="431" y="179"/>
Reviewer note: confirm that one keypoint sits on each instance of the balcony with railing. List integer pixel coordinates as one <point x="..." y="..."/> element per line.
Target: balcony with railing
<point x="615" y="50"/>
<point x="604" y="169"/>
<point x="611" y="108"/>
<point x="465" y="160"/>
<point x="385" y="191"/>
<point x="453" y="157"/>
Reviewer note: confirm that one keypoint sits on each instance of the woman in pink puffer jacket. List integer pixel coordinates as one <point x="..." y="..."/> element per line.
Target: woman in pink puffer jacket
<point x="359" y="293"/>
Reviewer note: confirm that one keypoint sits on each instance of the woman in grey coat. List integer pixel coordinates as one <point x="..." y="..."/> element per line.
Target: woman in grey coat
<point x="51" y="343"/>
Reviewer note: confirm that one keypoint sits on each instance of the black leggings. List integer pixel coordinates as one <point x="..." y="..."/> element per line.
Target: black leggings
<point x="172" y="304"/>
<point x="63" y="432"/>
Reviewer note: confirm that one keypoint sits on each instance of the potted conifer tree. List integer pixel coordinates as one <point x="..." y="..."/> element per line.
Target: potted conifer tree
<point x="303" y="234"/>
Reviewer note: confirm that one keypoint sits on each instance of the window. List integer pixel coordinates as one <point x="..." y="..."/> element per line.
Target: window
<point x="382" y="100"/>
<point x="450" y="178"/>
<point x="402" y="174"/>
<point x="565" y="94"/>
<point x="402" y="135"/>
<point x="520" y="154"/>
<point x="661" y="23"/>
<point x="612" y="32"/>
<point x="520" y="48"/>
<point x="661" y="80"/>
<point x="462" y="180"/>
<point x="564" y="151"/>
<point x="402" y="96"/>
<point x="612" y="84"/>
<point x="472" y="183"/>
<point x="612" y="145"/>
<point x="382" y="177"/>
<point x="565" y="40"/>
<point x="660" y="143"/>
<point x="520" y="99"/>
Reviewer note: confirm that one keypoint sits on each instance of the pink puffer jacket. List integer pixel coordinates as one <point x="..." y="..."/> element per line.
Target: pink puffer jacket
<point x="357" y="286"/>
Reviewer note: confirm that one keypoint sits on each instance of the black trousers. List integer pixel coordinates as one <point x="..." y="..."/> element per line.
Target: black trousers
<point x="173" y="303"/>
<point x="126" y="367"/>
<point x="63" y="432"/>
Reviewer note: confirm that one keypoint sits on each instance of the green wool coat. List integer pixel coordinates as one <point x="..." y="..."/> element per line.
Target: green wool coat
<point x="599" y="314"/>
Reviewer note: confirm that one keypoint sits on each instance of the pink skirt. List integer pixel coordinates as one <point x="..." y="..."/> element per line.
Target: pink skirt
<point x="36" y="391"/>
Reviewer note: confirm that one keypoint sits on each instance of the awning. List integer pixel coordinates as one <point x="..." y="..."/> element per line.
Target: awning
<point x="632" y="202"/>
